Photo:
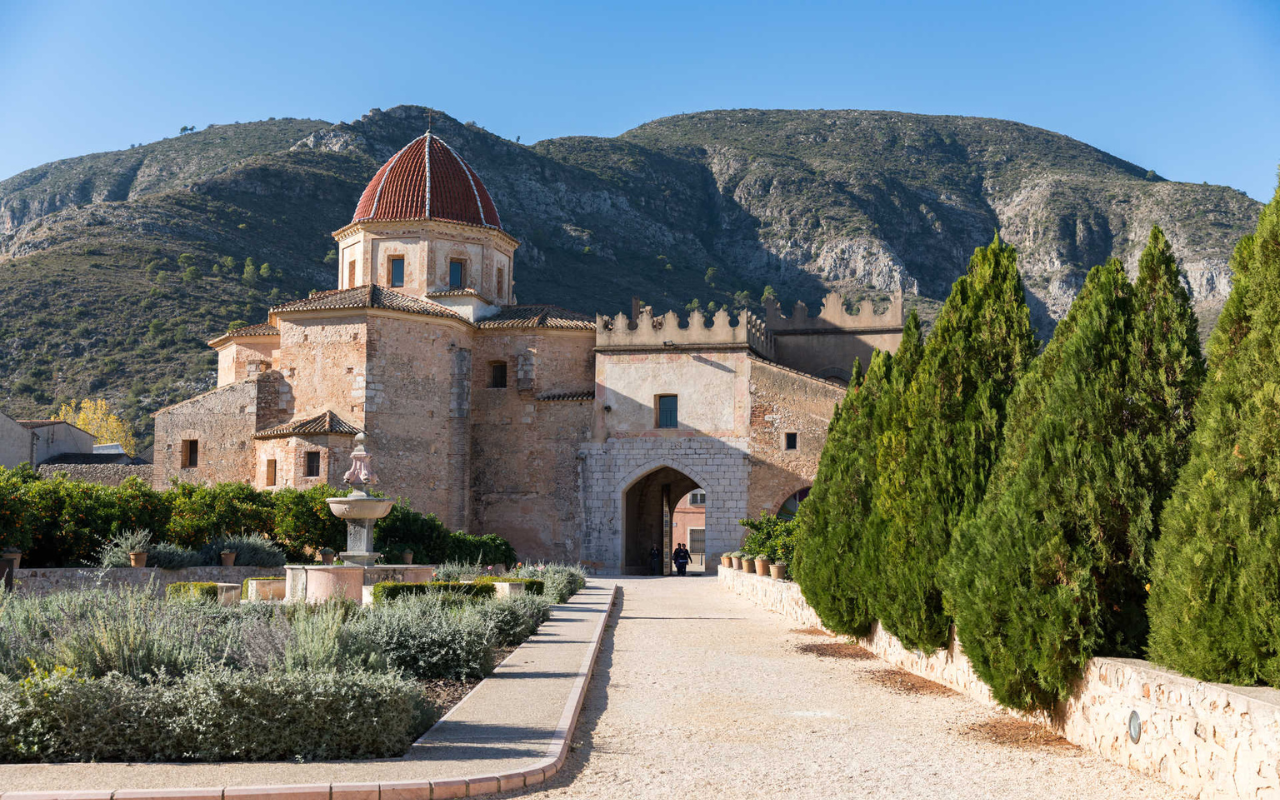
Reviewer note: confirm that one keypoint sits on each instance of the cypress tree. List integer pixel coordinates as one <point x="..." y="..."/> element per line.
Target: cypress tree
<point x="1050" y="571"/>
<point x="834" y="562"/>
<point x="1215" y="583"/>
<point x="935" y="459"/>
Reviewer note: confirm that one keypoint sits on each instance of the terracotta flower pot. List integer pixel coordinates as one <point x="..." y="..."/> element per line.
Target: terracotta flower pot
<point x="407" y="555"/>
<point x="138" y="559"/>
<point x="777" y="571"/>
<point x="228" y="558"/>
<point x="326" y="557"/>
<point x="762" y="567"/>
<point x="725" y="561"/>
<point x="736" y="562"/>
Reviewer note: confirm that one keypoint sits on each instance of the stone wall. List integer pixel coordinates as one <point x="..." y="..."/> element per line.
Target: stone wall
<point x="105" y="474"/>
<point x="1210" y="740"/>
<point x="46" y="581"/>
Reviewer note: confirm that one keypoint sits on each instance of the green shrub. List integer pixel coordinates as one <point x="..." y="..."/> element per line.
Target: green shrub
<point x="115" y="553"/>
<point x="1215" y="597"/>
<point x="323" y="640"/>
<point x="171" y="556"/>
<point x="405" y="529"/>
<point x="251" y="551"/>
<point x="560" y="581"/>
<point x="427" y="638"/>
<point x="511" y="620"/>
<point x="531" y="585"/>
<point x="192" y="590"/>
<point x="932" y="471"/>
<point x="202" y="513"/>
<point x="488" y="549"/>
<point x="212" y="715"/>
<point x="304" y="524"/>
<point x="388" y="591"/>
<point x="1050" y="572"/>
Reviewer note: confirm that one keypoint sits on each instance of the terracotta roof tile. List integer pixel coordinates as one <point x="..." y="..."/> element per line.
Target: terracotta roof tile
<point x="326" y="423"/>
<point x="371" y="296"/>
<point x="556" y="396"/>
<point x="261" y="329"/>
<point x="539" y="316"/>
<point x="427" y="180"/>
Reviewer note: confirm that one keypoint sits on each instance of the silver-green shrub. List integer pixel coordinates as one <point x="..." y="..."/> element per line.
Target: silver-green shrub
<point x="427" y="637"/>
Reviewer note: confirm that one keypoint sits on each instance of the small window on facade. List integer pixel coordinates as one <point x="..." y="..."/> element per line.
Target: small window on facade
<point x="667" y="411"/>
<point x="697" y="540"/>
<point x="498" y="375"/>
<point x="698" y="498"/>
<point x="502" y="284"/>
<point x="313" y="465"/>
<point x="271" y="472"/>
<point x="397" y="271"/>
<point x="456" y="270"/>
<point x="351" y="274"/>
<point x="190" y="453"/>
<point x="791" y="441"/>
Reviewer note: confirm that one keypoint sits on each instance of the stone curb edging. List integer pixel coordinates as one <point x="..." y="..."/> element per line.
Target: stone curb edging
<point x="470" y="786"/>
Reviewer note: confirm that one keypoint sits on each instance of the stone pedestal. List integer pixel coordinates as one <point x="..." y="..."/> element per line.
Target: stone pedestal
<point x="320" y="583"/>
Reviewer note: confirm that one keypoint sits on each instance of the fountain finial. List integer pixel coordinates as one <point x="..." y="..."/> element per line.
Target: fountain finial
<point x="361" y="472"/>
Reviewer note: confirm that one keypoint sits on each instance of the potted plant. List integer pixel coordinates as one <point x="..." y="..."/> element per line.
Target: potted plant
<point x="407" y="556"/>
<point x="735" y="559"/>
<point x="137" y="558"/>
<point x="762" y="566"/>
<point x="228" y="558"/>
<point x="778" y="570"/>
<point x="326" y="556"/>
<point x="726" y="560"/>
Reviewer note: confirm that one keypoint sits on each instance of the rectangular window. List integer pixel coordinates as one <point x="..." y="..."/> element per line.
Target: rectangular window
<point x="697" y="498"/>
<point x="397" y="271"/>
<point x="498" y="375"/>
<point x="271" y="472"/>
<point x="351" y="275"/>
<point x="667" y="411"/>
<point x="502" y="284"/>
<point x="190" y="453"/>
<point x="697" y="540"/>
<point x="456" y="268"/>
<point x="791" y="441"/>
<point x="313" y="465"/>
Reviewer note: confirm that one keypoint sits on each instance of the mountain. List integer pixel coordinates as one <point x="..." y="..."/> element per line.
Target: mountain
<point x="115" y="268"/>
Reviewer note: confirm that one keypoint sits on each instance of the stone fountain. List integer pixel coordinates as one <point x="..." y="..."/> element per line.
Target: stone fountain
<point x="359" y="509"/>
<point x="355" y="577"/>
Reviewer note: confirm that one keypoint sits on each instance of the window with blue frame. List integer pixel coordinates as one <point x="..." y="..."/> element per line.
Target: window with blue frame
<point x="397" y="271"/>
<point x="456" y="270"/>
<point x="668" y="415"/>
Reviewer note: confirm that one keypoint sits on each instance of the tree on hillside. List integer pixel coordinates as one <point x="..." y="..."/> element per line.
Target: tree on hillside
<point x="95" y="417"/>
<point x="1051" y="569"/>
<point x="1215" y="596"/>
<point x="934" y="462"/>
<point x="836" y="566"/>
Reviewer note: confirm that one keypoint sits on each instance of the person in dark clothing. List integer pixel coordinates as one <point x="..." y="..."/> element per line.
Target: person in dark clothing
<point x="655" y="560"/>
<point x="681" y="558"/>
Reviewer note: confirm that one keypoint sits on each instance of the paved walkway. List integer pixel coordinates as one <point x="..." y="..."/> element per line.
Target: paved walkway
<point x="506" y="723"/>
<point x="699" y="693"/>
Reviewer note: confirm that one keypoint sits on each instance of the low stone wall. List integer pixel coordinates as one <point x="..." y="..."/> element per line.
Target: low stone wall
<point x="1210" y="740"/>
<point x="48" y="581"/>
<point x="105" y="474"/>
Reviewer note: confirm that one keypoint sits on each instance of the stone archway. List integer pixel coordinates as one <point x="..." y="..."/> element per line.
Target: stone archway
<point x="648" y="504"/>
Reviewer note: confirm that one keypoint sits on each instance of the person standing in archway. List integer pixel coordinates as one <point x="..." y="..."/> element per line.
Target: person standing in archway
<point x="680" y="558"/>
<point x="655" y="560"/>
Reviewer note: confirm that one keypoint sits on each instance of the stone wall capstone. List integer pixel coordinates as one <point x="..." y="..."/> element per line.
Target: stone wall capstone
<point x="1214" y="741"/>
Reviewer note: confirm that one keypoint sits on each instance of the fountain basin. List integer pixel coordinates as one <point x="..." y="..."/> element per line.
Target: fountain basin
<point x="360" y="507"/>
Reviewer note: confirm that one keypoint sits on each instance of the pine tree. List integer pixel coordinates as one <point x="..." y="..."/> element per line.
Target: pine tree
<point x="835" y="559"/>
<point x="933" y="463"/>
<point x="1050" y="571"/>
<point x="1215" y="581"/>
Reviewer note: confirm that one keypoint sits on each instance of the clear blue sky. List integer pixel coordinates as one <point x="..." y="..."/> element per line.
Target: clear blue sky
<point x="1189" y="89"/>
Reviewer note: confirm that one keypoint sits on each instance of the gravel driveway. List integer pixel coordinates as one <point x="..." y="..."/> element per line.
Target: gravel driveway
<point x="699" y="693"/>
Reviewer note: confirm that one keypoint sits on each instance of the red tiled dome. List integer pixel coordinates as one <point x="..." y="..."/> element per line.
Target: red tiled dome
<point x="413" y="186"/>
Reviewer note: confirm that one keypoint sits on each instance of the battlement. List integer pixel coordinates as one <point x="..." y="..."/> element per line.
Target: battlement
<point x="833" y="317"/>
<point x="646" y="331"/>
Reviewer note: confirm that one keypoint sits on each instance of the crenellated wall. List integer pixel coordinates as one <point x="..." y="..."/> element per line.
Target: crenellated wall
<point x="1211" y="740"/>
<point x="647" y="331"/>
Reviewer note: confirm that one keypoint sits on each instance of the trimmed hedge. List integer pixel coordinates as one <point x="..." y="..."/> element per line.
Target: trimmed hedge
<point x="387" y="591"/>
<point x="215" y="715"/>
<point x="531" y="585"/>
<point x="192" y="590"/>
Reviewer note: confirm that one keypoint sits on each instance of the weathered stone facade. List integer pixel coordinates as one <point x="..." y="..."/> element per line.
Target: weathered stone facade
<point x="103" y="474"/>
<point x="532" y="422"/>
<point x="1210" y="740"/>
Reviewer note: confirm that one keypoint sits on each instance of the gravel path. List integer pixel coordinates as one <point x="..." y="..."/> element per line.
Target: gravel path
<point x="699" y="693"/>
